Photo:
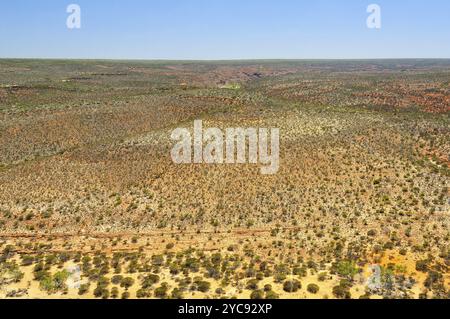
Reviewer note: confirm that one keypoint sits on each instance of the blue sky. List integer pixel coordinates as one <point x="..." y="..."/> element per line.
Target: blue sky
<point x="225" y="29"/>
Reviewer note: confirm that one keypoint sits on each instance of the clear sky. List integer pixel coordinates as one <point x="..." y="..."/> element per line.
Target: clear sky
<point x="225" y="29"/>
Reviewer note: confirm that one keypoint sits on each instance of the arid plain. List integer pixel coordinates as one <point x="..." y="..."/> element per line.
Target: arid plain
<point x="92" y="205"/>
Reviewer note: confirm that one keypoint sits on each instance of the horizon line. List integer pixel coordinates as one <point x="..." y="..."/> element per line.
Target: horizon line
<point x="217" y="60"/>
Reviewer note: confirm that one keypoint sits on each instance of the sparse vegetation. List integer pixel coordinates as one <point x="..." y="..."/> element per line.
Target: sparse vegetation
<point x="358" y="209"/>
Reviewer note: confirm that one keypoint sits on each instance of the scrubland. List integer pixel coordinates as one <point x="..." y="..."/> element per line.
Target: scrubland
<point x="92" y="206"/>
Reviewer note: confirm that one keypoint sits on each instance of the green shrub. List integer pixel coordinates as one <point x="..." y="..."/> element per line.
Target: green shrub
<point x="149" y="281"/>
<point x="292" y="286"/>
<point x="313" y="288"/>
<point x="114" y="292"/>
<point x="272" y="295"/>
<point x="341" y="292"/>
<point x="203" y="286"/>
<point x="346" y="268"/>
<point x="422" y="265"/>
<point x="27" y="260"/>
<point x="54" y="283"/>
<point x="177" y="293"/>
<point x="116" y="279"/>
<point x="127" y="282"/>
<point x="372" y="233"/>
<point x="142" y="293"/>
<point x="161" y="292"/>
<point x="322" y="276"/>
<point x="257" y="294"/>
<point x="252" y="284"/>
<point x="84" y="288"/>
<point x="100" y="291"/>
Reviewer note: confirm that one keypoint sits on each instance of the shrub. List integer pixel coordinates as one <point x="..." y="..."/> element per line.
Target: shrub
<point x="174" y="268"/>
<point x="272" y="295"/>
<point x="46" y="283"/>
<point x="346" y="269"/>
<point x="252" y="284"/>
<point x="192" y="265"/>
<point x="149" y="281"/>
<point x="54" y="283"/>
<point x="257" y="294"/>
<point x="422" y="265"/>
<point x="114" y="292"/>
<point x="322" y="276"/>
<point x="116" y="279"/>
<point x="341" y="292"/>
<point x="279" y="277"/>
<point x="292" y="286"/>
<point x="105" y="294"/>
<point x="433" y="279"/>
<point x="372" y="233"/>
<point x="157" y="260"/>
<point x="345" y="283"/>
<point x="313" y="288"/>
<point x="216" y="258"/>
<point x="27" y="260"/>
<point x="103" y="282"/>
<point x="161" y="292"/>
<point x="177" y="293"/>
<point x="142" y="293"/>
<point x="127" y="282"/>
<point x="84" y="288"/>
<point x="203" y="286"/>
<point x="100" y="291"/>
<point x="300" y="271"/>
